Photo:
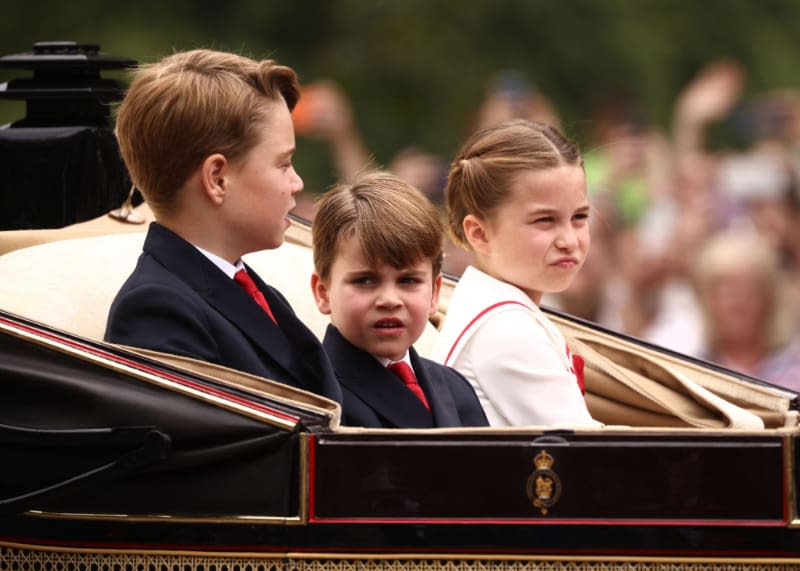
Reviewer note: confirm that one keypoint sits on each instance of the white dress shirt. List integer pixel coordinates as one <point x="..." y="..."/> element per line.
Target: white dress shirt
<point x="223" y="264"/>
<point x="406" y="359"/>
<point x="514" y="356"/>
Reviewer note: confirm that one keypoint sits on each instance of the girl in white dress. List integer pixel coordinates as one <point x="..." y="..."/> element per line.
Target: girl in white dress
<point x="516" y="197"/>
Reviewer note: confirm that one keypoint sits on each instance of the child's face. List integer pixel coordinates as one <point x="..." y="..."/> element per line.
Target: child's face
<point x="381" y="310"/>
<point x="262" y="186"/>
<point x="538" y="238"/>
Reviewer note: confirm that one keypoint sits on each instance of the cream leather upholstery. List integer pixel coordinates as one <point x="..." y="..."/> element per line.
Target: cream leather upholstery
<point x="70" y="284"/>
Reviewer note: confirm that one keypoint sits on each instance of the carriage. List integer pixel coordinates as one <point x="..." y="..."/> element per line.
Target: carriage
<point x="120" y="459"/>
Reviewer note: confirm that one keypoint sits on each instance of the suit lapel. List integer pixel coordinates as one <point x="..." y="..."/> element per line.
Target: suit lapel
<point x="437" y="389"/>
<point x="305" y="355"/>
<point x="234" y="303"/>
<point x="239" y="308"/>
<point x="379" y="388"/>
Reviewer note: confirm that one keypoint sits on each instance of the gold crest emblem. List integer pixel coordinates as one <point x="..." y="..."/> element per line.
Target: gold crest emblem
<point x="544" y="485"/>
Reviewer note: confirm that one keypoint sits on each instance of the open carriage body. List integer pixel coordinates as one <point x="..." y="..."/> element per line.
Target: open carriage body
<point x="117" y="458"/>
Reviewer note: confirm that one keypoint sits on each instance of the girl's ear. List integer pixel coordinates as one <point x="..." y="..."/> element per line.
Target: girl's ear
<point x="213" y="174"/>
<point x="320" y="291"/>
<point x="476" y="231"/>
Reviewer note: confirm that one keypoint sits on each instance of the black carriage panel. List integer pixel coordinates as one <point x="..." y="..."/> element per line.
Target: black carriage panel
<point x="567" y="479"/>
<point x="86" y="430"/>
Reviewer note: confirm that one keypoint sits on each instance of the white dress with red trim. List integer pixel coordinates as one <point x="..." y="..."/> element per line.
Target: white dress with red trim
<point x="514" y="356"/>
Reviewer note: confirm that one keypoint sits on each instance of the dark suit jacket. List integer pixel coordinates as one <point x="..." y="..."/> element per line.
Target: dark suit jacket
<point x="375" y="397"/>
<point x="177" y="301"/>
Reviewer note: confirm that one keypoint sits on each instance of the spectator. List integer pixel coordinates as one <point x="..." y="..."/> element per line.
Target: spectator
<point x="748" y="325"/>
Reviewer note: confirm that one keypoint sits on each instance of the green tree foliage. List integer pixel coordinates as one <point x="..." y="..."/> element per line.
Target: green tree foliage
<point x="417" y="70"/>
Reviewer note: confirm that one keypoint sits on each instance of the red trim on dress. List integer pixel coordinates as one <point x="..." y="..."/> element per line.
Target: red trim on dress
<point x="476" y="318"/>
<point x="576" y="361"/>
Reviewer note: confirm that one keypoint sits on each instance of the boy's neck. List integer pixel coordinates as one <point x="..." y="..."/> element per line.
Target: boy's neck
<point x="202" y="230"/>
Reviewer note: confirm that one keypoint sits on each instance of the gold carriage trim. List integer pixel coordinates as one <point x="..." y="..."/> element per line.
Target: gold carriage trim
<point x="19" y="558"/>
<point x="789" y="470"/>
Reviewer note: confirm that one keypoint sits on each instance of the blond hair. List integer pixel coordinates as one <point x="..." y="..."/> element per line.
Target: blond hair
<point x="483" y="170"/>
<point x="733" y="250"/>
<point x="394" y="222"/>
<point x="191" y="105"/>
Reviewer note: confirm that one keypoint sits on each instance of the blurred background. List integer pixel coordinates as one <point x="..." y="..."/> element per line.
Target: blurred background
<point x="416" y="71"/>
<point x="687" y="112"/>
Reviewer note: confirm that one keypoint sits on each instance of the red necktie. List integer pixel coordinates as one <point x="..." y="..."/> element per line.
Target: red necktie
<point x="402" y="370"/>
<point x="243" y="279"/>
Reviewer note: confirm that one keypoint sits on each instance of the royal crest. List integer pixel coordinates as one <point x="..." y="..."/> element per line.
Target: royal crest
<point x="544" y="485"/>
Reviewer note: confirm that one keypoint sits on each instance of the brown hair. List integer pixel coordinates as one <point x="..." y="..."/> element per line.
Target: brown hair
<point x="395" y="223"/>
<point x="482" y="173"/>
<point x="191" y="105"/>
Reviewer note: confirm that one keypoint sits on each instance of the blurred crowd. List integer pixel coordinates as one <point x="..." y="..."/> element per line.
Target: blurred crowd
<point x="695" y="245"/>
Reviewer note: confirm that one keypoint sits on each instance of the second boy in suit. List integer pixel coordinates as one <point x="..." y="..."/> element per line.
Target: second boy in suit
<point x="377" y="257"/>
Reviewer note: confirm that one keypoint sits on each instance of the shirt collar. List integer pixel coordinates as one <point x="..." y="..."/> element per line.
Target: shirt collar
<point x="386" y="362"/>
<point x="227" y="268"/>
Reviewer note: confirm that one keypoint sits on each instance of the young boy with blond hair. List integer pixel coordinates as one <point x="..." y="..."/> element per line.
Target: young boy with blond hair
<point x="208" y="139"/>
<point x="377" y="258"/>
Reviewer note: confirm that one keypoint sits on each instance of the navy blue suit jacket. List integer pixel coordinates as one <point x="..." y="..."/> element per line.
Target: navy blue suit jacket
<point x="375" y="397"/>
<point x="177" y="301"/>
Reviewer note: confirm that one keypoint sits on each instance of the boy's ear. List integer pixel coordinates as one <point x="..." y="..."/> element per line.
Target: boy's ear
<point x="213" y="175"/>
<point x="320" y="291"/>
<point x="437" y="287"/>
<point x="476" y="232"/>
